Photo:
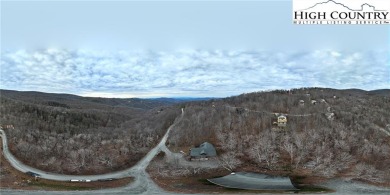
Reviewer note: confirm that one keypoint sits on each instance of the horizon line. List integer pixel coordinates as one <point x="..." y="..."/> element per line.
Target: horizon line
<point x="186" y="96"/>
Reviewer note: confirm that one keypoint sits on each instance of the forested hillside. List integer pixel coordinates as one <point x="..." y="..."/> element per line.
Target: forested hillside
<point x="74" y="101"/>
<point x="71" y="134"/>
<point x="343" y="133"/>
<point x="331" y="133"/>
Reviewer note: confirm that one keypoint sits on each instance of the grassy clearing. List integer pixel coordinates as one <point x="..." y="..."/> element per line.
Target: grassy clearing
<point x="304" y="186"/>
<point x="59" y="186"/>
<point x="205" y="182"/>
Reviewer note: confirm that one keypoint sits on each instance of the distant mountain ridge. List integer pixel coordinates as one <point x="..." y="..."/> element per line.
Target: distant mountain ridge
<point x="74" y="101"/>
<point x="342" y="5"/>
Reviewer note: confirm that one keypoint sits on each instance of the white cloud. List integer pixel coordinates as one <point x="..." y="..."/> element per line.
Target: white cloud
<point x="190" y="72"/>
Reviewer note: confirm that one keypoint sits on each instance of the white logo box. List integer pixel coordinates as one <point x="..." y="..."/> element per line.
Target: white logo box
<point x="341" y="12"/>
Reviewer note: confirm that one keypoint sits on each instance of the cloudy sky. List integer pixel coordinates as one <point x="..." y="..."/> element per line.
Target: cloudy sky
<point x="182" y="49"/>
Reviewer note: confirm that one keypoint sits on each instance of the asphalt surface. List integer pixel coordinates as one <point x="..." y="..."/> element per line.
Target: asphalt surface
<point x="253" y="181"/>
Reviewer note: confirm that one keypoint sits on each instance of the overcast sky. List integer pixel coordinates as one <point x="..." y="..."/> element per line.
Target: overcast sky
<point x="153" y="49"/>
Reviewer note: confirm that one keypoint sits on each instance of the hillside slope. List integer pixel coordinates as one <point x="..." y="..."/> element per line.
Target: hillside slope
<point x="71" y="134"/>
<point x="345" y="133"/>
<point x="74" y="101"/>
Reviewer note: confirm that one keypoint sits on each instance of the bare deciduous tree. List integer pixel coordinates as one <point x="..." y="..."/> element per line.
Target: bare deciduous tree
<point x="229" y="160"/>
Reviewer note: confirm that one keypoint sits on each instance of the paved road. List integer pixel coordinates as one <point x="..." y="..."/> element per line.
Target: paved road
<point x="134" y="171"/>
<point x="254" y="181"/>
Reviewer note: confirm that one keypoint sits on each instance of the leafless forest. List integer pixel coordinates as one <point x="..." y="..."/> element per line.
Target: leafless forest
<point x="73" y="135"/>
<point x="342" y="133"/>
<point x="353" y="142"/>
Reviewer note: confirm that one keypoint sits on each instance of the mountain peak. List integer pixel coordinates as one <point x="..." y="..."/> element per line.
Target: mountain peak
<point x="331" y="4"/>
<point x="367" y="7"/>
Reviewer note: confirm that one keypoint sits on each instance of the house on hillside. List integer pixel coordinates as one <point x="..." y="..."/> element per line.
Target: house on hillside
<point x="282" y="121"/>
<point x="203" y="152"/>
<point x="301" y="102"/>
<point x="314" y="102"/>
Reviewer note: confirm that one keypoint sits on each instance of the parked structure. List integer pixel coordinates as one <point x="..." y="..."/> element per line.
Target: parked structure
<point x="301" y="102"/>
<point x="203" y="152"/>
<point x="314" y="102"/>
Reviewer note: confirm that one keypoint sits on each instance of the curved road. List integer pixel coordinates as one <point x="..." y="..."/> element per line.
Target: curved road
<point x="134" y="171"/>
